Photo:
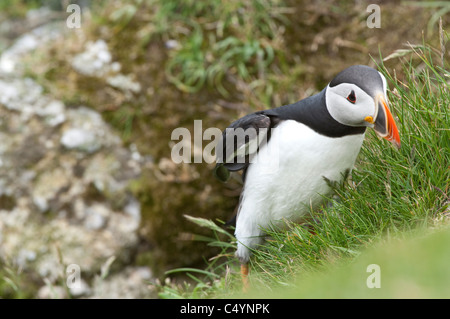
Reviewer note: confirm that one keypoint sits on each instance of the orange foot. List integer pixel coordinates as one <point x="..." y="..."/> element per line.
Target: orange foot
<point x="244" y="275"/>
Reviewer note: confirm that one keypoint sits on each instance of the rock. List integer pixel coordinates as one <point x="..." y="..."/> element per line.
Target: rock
<point x="86" y="131"/>
<point x="96" y="216"/>
<point x="47" y="186"/>
<point x="64" y="176"/>
<point x="96" y="60"/>
<point x="124" y="83"/>
<point x="172" y="44"/>
<point x="133" y="282"/>
<point x="133" y="209"/>
<point x="80" y="289"/>
<point x="63" y="188"/>
<point x="10" y="60"/>
<point x="76" y="138"/>
<point x="53" y="112"/>
<point x="51" y="292"/>
<point x="21" y="95"/>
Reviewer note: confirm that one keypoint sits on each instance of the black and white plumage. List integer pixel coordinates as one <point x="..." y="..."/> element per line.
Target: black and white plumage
<point x="289" y="152"/>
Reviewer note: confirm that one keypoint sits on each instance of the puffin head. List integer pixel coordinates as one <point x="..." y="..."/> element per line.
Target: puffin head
<point x="357" y="97"/>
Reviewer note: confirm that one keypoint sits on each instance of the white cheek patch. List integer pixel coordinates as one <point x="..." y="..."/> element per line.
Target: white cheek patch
<point x="346" y="112"/>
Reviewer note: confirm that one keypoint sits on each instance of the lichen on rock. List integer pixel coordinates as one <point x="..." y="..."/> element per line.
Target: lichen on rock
<point x="64" y="196"/>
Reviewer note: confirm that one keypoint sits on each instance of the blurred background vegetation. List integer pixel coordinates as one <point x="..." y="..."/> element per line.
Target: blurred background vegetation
<point x="214" y="61"/>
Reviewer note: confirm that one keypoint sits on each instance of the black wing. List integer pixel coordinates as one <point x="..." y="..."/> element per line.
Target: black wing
<point x="240" y="143"/>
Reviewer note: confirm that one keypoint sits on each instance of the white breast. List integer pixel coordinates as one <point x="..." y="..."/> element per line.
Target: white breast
<point x="286" y="178"/>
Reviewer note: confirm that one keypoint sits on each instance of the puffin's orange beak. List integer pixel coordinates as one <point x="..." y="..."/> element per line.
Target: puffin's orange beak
<point x="384" y="123"/>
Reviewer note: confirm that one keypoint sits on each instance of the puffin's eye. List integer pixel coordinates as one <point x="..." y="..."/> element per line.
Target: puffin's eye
<point x="352" y="97"/>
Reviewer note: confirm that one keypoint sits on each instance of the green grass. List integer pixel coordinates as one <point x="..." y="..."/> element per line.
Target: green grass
<point x="393" y="194"/>
<point x="235" y="38"/>
<point x="415" y="266"/>
<point x="13" y="283"/>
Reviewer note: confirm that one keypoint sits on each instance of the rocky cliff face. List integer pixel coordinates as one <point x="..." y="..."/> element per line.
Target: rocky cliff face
<point x="64" y="175"/>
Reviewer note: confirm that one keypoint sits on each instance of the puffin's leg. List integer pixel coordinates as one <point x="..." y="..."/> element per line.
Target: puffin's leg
<point x="244" y="276"/>
<point x="248" y="236"/>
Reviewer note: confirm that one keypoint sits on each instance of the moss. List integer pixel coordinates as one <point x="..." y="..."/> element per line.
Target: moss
<point x="7" y="202"/>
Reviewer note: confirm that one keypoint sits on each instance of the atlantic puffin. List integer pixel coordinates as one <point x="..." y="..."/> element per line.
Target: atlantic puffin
<point x="289" y="154"/>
